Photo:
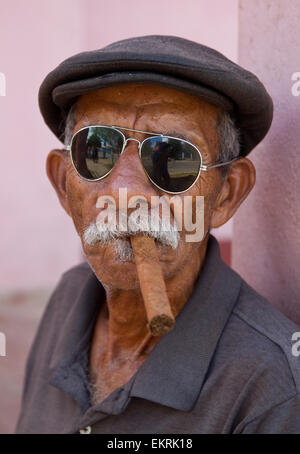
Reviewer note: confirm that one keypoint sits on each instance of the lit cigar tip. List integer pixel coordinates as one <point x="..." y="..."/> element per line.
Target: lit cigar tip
<point x="161" y="324"/>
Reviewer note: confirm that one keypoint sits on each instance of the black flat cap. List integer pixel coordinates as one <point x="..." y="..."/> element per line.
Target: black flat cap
<point x="163" y="60"/>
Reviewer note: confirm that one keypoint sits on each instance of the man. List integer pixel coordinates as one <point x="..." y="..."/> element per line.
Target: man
<point x="94" y="367"/>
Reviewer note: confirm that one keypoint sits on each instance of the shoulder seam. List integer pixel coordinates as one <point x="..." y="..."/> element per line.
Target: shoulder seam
<point x="257" y="328"/>
<point x="272" y="408"/>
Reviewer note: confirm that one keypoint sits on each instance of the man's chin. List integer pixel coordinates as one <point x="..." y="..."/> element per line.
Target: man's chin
<point x="121" y="274"/>
<point x="114" y="264"/>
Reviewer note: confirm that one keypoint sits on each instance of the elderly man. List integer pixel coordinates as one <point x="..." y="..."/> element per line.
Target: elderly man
<point x="144" y="118"/>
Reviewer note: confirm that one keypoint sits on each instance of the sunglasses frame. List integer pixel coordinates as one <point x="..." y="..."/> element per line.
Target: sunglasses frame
<point x="152" y="134"/>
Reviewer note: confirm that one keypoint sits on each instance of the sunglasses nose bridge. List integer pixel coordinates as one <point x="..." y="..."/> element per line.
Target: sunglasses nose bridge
<point x="134" y="140"/>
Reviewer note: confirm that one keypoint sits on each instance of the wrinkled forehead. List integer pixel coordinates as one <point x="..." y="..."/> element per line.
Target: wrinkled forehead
<point x="154" y="104"/>
<point x="146" y="96"/>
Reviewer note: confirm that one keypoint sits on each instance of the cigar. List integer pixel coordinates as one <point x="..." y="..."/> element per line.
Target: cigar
<point x="159" y="314"/>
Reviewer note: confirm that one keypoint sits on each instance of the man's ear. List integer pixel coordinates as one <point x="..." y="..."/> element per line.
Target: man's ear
<point x="56" y="168"/>
<point x="239" y="181"/>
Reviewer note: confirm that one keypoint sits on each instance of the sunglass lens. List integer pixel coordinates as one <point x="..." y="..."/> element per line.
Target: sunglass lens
<point x="95" y="151"/>
<point x="172" y="164"/>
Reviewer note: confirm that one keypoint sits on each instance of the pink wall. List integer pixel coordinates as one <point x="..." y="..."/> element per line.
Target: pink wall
<point x="38" y="241"/>
<point x="266" y="239"/>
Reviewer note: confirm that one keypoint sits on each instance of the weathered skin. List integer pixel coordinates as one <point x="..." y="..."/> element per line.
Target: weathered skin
<point x="121" y="340"/>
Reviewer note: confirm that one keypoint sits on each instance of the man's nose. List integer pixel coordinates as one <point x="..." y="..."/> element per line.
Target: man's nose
<point x="129" y="173"/>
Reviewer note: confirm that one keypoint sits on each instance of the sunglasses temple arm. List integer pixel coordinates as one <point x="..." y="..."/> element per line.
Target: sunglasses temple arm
<point x="220" y="164"/>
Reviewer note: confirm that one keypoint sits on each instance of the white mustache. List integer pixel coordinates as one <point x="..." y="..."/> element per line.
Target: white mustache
<point x="110" y="231"/>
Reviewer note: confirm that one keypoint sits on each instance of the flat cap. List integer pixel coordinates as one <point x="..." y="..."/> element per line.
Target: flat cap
<point x="168" y="61"/>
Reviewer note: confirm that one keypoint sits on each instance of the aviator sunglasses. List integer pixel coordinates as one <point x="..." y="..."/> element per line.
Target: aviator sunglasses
<point x="172" y="164"/>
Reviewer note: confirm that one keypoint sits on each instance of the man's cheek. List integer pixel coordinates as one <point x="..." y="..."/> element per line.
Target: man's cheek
<point x="75" y="200"/>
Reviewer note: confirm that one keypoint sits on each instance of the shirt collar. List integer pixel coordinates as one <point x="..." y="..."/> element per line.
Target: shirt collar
<point x="175" y="370"/>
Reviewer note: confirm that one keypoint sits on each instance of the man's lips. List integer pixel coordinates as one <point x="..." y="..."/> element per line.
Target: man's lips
<point x="120" y="248"/>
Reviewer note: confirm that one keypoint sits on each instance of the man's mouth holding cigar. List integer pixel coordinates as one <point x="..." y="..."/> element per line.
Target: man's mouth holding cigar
<point x="113" y="221"/>
<point x="107" y="244"/>
<point x="112" y="235"/>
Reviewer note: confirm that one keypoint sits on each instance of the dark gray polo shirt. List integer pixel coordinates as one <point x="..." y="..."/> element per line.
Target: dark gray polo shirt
<point x="227" y="366"/>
